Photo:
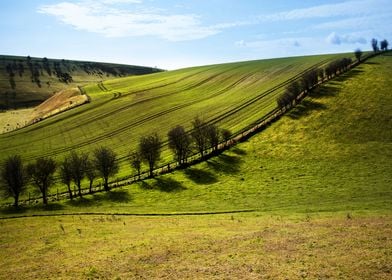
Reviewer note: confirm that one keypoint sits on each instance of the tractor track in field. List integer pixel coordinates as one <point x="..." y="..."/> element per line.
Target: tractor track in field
<point x="216" y="119"/>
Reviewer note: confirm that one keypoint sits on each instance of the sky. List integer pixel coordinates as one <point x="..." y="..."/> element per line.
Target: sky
<point x="173" y="34"/>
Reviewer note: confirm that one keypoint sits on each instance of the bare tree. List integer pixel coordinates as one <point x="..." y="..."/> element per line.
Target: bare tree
<point x="226" y="134"/>
<point x="41" y="173"/>
<point x="91" y="174"/>
<point x="358" y="54"/>
<point x="213" y="136"/>
<point x="179" y="143"/>
<point x="13" y="177"/>
<point x="150" y="150"/>
<point x="105" y="162"/>
<point x="200" y="135"/>
<point x="136" y="162"/>
<point x="374" y="45"/>
<point x="66" y="174"/>
<point x="78" y="164"/>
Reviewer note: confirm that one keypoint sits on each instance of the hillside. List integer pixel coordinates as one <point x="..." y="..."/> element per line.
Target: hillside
<point x="28" y="81"/>
<point x="317" y="184"/>
<point x="122" y="110"/>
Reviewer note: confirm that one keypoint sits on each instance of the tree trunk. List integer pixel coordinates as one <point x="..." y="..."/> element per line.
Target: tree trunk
<point x="44" y="198"/>
<point x="79" y="189"/>
<point x="16" y="201"/>
<point x="106" y="185"/>
<point x="70" y="191"/>
<point x="91" y="186"/>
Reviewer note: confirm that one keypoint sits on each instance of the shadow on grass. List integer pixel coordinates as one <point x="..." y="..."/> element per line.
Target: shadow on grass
<point x="225" y="163"/>
<point x="117" y="196"/>
<point x="348" y="75"/>
<point x="12" y="210"/>
<point x="305" y="108"/>
<point x="168" y="185"/>
<point x="328" y="90"/>
<point x="200" y="177"/>
<point x="238" y="151"/>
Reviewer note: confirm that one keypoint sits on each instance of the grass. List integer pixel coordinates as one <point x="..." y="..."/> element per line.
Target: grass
<point x="238" y="246"/>
<point x="318" y="182"/>
<point x="326" y="154"/>
<point x="122" y="110"/>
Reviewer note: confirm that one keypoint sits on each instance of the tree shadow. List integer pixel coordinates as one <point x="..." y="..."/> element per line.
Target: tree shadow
<point x="200" y="177"/>
<point x="348" y="75"/>
<point x="168" y="185"/>
<point x="118" y="196"/>
<point x="225" y="163"/>
<point x="12" y="210"/>
<point x="305" y="108"/>
<point x="238" y="151"/>
<point x="371" y="63"/>
<point x="51" y="206"/>
<point x="328" y="90"/>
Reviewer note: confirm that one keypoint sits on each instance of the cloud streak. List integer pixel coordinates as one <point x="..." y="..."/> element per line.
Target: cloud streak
<point x="111" y="22"/>
<point x="348" y="8"/>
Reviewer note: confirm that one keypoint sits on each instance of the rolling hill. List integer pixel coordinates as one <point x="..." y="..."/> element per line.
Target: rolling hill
<point x="28" y="81"/>
<point x="316" y="186"/>
<point x="233" y="96"/>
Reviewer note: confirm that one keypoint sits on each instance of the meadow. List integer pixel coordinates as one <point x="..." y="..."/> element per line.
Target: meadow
<point x="308" y="197"/>
<point x="122" y="110"/>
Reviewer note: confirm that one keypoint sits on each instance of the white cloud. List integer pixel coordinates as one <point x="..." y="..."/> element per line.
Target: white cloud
<point x="336" y="39"/>
<point x="97" y="17"/>
<point x="347" y="8"/>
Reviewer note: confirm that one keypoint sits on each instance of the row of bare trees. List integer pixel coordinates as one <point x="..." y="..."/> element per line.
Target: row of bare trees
<point x="79" y="166"/>
<point x="309" y="80"/>
<point x="203" y="136"/>
<point x="15" y="175"/>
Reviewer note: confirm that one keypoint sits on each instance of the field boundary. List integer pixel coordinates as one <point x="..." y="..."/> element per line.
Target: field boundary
<point x="131" y="214"/>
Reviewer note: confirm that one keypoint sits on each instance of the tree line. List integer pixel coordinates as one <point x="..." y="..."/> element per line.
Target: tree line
<point x="15" y="175"/>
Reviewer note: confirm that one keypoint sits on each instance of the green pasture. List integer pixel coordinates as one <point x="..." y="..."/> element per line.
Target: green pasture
<point x="122" y="110"/>
<point x="331" y="153"/>
<point x="314" y="189"/>
<point x="234" y="246"/>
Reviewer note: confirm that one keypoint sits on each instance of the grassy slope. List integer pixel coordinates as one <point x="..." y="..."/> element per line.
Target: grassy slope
<point x="124" y="109"/>
<point x="27" y="94"/>
<point x="329" y="154"/>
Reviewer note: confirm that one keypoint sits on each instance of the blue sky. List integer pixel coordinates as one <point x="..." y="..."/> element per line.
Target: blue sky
<point x="172" y="34"/>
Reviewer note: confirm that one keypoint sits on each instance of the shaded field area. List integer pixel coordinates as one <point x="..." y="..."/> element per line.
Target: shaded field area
<point x="238" y="246"/>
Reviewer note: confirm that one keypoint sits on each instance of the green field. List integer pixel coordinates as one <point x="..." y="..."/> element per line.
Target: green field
<point x="29" y="91"/>
<point x="317" y="185"/>
<point x="122" y="110"/>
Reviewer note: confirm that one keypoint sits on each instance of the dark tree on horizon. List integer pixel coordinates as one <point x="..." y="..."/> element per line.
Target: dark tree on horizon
<point x="13" y="177"/>
<point x="384" y="45"/>
<point x="375" y="45"/>
<point x="358" y="54"/>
